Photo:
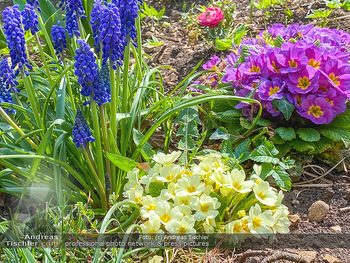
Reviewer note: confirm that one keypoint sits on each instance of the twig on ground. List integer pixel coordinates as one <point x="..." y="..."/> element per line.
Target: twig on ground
<point x="344" y="209"/>
<point x="251" y="253"/>
<point x="159" y="55"/>
<point x="284" y="255"/>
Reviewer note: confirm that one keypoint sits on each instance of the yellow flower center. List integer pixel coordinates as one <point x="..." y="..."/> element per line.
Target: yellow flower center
<point x="324" y="89"/>
<point x="206" y="169"/>
<point x="165" y="218"/>
<point x="151" y="207"/>
<point x="245" y="225"/>
<point x="334" y="79"/>
<point x="188" y="173"/>
<point x="217" y="164"/>
<point x="191" y="189"/>
<point x="237" y="227"/>
<point x="261" y="195"/>
<point x="313" y="63"/>
<point x="184" y="201"/>
<point x="292" y="63"/>
<point x="237" y="186"/>
<point x="298" y="99"/>
<point x="316" y="111"/>
<point x="137" y="199"/>
<point x="205" y="208"/>
<point x="169" y="177"/>
<point x="255" y="69"/>
<point x="256" y="222"/>
<point x="273" y="90"/>
<point x="304" y="83"/>
<point x="275" y="67"/>
<point x="182" y="229"/>
<point x="153" y="231"/>
<point x="330" y="101"/>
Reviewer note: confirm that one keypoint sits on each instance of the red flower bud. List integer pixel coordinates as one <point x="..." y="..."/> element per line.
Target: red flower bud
<point x="211" y="17"/>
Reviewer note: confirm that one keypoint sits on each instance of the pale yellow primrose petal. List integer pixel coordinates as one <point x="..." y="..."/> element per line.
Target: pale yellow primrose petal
<point x="205" y="207"/>
<point x="167" y="159"/>
<point x="259" y="223"/>
<point x="189" y="186"/>
<point x="265" y="194"/>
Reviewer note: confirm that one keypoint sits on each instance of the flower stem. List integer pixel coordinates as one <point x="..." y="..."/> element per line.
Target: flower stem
<point x="124" y="140"/>
<point x="46" y="35"/>
<point x="18" y="129"/>
<point x="105" y="137"/>
<point x="28" y="85"/>
<point x="98" y="141"/>
<point x="45" y="63"/>
<point x="69" y="87"/>
<point x="114" y="99"/>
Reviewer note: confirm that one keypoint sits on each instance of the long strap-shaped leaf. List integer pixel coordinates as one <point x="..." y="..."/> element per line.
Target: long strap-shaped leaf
<point x="191" y="102"/>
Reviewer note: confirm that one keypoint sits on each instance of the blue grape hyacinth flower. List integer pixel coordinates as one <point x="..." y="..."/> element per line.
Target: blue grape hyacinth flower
<point x="7" y="75"/>
<point x="102" y="90"/>
<point x="15" y="38"/>
<point x="34" y="3"/>
<point x="96" y="22"/>
<point x="128" y="13"/>
<point x="5" y="96"/>
<point x="58" y="34"/>
<point x="110" y="35"/>
<point x="30" y="19"/>
<point x="74" y="11"/>
<point x="86" y="68"/>
<point x="81" y="131"/>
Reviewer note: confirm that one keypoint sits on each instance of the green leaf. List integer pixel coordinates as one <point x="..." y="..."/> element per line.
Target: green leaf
<point x="155" y="188"/>
<point x="244" y="123"/>
<point x="263" y="155"/>
<point x="319" y="14"/>
<point x="223" y="205"/>
<point x="270" y="146"/>
<point x="286" y="134"/>
<point x="341" y="120"/>
<point x="238" y="34"/>
<point x="188" y="114"/>
<point x="309" y="134"/>
<point x="278" y="41"/>
<point x="123" y="163"/>
<point x="146" y="151"/>
<point x="346" y="5"/>
<point x="282" y="178"/>
<point x="263" y="122"/>
<point x="188" y="129"/>
<point x="276" y="139"/>
<point x="266" y="170"/>
<point x="302" y="146"/>
<point x="220" y="134"/>
<point x="287" y="163"/>
<point x="223" y="44"/>
<point x="242" y="152"/>
<point x="186" y="144"/>
<point x="284" y="148"/>
<point x="284" y="106"/>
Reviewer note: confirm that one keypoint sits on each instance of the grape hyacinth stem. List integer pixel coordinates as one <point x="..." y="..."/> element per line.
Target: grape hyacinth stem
<point x="46" y="35"/>
<point x="18" y="129"/>
<point x="98" y="141"/>
<point x="124" y="140"/>
<point x="69" y="87"/>
<point x="105" y="136"/>
<point x="28" y="85"/>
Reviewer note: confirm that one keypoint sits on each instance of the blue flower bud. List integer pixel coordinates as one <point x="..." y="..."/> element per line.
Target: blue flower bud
<point x="7" y="75"/>
<point x="96" y="22"/>
<point x="110" y="35"/>
<point x="85" y="67"/>
<point x="30" y="19"/>
<point x="15" y="38"/>
<point x="34" y="3"/>
<point x="81" y="131"/>
<point x="102" y="90"/>
<point x="58" y="38"/>
<point x="5" y="96"/>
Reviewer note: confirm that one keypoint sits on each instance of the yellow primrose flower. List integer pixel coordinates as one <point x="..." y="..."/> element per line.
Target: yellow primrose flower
<point x="185" y="210"/>
<point x="236" y="181"/>
<point x="151" y="227"/>
<point x="209" y="225"/>
<point x="169" y="173"/>
<point x="166" y="159"/>
<point x="205" y="207"/>
<point x="259" y="223"/>
<point x="134" y="194"/>
<point x="265" y="194"/>
<point x="281" y="222"/>
<point x="189" y="186"/>
<point x="164" y="213"/>
<point x="133" y="179"/>
<point x="182" y="200"/>
<point x="149" y="203"/>
<point x="218" y="177"/>
<point x="183" y="226"/>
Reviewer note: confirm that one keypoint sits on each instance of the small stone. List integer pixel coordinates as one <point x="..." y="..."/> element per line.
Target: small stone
<point x="318" y="211"/>
<point x="329" y="192"/>
<point x="294" y="202"/>
<point x="308" y="256"/>
<point x="347" y="194"/>
<point x="294" y="219"/>
<point x="148" y="49"/>
<point x="336" y="229"/>
<point x="330" y="259"/>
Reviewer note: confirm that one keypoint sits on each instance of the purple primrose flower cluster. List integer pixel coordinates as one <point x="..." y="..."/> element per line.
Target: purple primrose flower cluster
<point x="309" y="69"/>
